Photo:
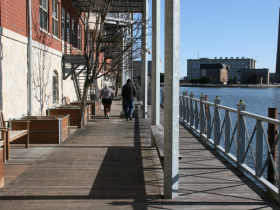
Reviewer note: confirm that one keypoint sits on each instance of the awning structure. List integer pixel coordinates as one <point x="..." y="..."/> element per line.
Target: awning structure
<point x="82" y="5"/>
<point x="123" y="5"/>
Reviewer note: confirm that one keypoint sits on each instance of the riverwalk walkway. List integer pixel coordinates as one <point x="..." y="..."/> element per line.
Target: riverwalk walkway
<point x="109" y="164"/>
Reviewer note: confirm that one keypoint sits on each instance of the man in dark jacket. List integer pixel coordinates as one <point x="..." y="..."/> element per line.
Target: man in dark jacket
<point x="128" y="94"/>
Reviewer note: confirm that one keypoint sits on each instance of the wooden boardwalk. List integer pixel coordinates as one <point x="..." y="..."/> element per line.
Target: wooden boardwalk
<point x="109" y="165"/>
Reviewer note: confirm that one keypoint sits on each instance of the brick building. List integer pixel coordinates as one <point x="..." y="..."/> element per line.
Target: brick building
<point x="57" y="30"/>
<point x="218" y="72"/>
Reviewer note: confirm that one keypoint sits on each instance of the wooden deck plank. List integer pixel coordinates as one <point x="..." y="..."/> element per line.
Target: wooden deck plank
<point x="109" y="165"/>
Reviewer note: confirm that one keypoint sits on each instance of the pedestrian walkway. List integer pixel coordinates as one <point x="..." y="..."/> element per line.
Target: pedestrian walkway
<point x="110" y="165"/>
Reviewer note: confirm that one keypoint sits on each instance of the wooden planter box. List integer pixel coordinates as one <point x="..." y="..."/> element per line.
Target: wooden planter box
<point x="95" y="106"/>
<point x="73" y="111"/>
<point x="44" y="129"/>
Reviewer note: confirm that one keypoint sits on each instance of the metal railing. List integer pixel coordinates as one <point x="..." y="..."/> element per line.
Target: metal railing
<point x="239" y="135"/>
<point x="75" y="40"/>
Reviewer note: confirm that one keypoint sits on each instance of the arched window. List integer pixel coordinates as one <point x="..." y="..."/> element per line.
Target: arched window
<point x="55" y="87"/>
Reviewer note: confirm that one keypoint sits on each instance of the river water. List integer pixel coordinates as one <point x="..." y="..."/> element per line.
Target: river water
<point x="258" y="100"/>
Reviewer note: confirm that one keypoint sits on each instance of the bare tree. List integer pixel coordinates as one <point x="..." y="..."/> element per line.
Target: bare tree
<point x="41" y="77"/>
<point x="119" y="46"/>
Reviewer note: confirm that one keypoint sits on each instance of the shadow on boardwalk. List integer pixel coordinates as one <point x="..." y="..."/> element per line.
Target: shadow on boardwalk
<point x="109" y="165"/>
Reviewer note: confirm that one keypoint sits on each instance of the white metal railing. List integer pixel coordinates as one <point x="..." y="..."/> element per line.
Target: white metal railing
<point x="239" y="135"/>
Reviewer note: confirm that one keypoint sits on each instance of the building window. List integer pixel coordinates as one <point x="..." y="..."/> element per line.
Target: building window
<point x="44" y="14"/>
<point x="79" y="37"/>
<point x="194" y="65"/>
<point x="55" y="17"/>
<point x="63" y="24"/>
<point x="55" y="87"/>
<point x="198" y="65"/>
<point x="74" y="33"/>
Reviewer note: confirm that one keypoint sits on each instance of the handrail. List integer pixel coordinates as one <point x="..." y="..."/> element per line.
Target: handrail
<point x="238" y="134"/>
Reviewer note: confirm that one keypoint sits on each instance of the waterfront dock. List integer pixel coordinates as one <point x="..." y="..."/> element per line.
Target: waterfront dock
<point x="109" y="164"/>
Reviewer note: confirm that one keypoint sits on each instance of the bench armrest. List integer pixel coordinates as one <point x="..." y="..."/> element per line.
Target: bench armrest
<point x="23" y="121"/>
<point x="4" y="129"/>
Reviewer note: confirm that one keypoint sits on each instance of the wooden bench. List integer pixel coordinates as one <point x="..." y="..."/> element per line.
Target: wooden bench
<point x="11" y="135"/>
<point x="158" y="138"/>
<point x="65" y="100"/>
<point x="2" y="155"/>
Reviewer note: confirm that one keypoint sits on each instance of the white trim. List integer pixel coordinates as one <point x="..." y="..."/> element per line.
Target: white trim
<point x="20" y="38"/>
<point x="46" y="48"/>
<point x="13" y="35"/>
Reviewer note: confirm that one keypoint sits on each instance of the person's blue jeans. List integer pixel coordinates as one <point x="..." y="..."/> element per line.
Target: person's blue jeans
<point x="129" y="108"/>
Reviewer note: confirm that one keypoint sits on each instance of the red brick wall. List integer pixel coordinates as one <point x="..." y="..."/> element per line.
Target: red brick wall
<point x="14" y="16"/>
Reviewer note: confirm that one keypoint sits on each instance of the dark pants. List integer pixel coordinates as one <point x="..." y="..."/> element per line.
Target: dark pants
<point x="129" y="108"/>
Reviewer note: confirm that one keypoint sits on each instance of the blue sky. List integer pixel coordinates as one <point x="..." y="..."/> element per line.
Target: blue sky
<point x="226" y="28"/>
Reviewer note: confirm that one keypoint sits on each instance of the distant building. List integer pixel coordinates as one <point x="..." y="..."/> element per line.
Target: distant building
<point x="137" y="68"/>
<point x="218" y="72"/>
<point x="246" y="74"/>
<point x="235" y="64"/>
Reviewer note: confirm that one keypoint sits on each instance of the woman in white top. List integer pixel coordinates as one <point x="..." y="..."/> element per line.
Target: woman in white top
<point x="107" y="95"/>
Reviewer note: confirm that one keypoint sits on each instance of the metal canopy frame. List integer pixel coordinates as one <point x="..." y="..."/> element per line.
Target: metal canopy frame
<point x="122" y="6"/>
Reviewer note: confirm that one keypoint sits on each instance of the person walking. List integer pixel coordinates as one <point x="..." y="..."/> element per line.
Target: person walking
<point x="128" y="94"/>
<point x="107" y="95"/>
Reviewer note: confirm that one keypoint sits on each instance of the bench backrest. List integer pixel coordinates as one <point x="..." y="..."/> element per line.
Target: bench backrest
<point x="2" y="123"/>
<point x="65" y="100"/>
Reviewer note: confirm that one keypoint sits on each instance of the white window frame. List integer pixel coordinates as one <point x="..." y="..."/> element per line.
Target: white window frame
<point x="43" y="14"/>
<point x="79" y="37"/>
<point x="55" y="18"/>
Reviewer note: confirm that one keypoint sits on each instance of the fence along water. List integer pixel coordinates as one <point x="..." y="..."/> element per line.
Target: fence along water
<point x="227" y="130"/>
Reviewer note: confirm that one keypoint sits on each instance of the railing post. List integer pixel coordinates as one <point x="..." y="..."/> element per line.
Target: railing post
<point x="278" y="165"/>
<point x="227" y="132"/>
<point x="241" y="142"/>
<point x="209" y="122"/>
<point x="188" y="109"/>
<point x="196" y="114"/>
<point x="191" y="109"/>
<point x="272" y="132"/>
<point x="259" y="147"/>
<point x="202" y="115"/>
<point x="217" y="122"/>
<point x="180" y="106"/>
<point x="184" y="106"/>
<point x="206" y="107"/>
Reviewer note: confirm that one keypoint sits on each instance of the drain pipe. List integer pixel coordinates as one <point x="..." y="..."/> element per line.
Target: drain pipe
<point x="29" y="105"/>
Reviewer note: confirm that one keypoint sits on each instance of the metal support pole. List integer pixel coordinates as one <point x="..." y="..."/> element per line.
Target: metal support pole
<point x="30" y="72"/>
<point x="241" y="141"/>
<point x="272" y="132"/>
<point x="156" y="62"/>
<point x="171" y="91"/>
<point x="202" y="116"/>
<point x="144" y="86"/>
<point x="217" y="122"/>
<point x="123" y="64"/>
